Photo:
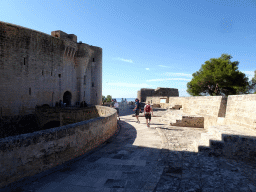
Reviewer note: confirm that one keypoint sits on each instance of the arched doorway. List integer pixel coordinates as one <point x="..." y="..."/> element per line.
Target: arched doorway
<point x="67" y="98"/>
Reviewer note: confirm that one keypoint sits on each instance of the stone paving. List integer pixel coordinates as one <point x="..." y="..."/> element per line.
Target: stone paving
<point x="160" y="158"/>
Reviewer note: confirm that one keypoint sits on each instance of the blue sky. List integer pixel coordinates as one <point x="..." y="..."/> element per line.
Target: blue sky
<point x="147" y="44"/>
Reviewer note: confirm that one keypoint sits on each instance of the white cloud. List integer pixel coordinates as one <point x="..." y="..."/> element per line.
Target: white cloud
<point x="250" y="74"/>
<point x="169" y="79"/>
<point x="163" y="66"/>
<point x="155" y="80"/>
<point x="125" y="60"/>
<point x="147" y="69"/>
<point x="139" y="85"/>
<point x="178" y="74"/>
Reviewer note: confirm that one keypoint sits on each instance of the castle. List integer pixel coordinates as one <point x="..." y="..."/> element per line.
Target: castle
<point x="37" y="69"/>
<point x="143" y="93"/>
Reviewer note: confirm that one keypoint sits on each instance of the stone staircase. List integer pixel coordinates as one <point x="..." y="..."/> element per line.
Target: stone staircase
<point x="232" y="141"/>
<point x="229" y="141"/>
<point x="178" y="118"/>
<point x="171" y="116"/>
<point x="190" y="121"/>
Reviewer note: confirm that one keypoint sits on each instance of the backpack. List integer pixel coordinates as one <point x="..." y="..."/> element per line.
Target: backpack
<point x="148" y="108"/>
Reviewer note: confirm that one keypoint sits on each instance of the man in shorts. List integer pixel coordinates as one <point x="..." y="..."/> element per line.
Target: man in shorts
<point x="147" y="113"/>
<point x="137" y="109"/>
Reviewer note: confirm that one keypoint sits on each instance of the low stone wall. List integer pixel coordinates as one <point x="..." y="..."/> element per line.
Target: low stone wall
<point x="156" y="99"/>
<point x="209" y="107"/>
<point x="239" y="147"/>
<point x="176" y="101"/>
<point x="65" y="115"/>
<point x="164" y="105"/>
<point x="28" y="154"/>
<point x="241" y="110"/>
<point x="190" y="121"/>
<point x="203" y="105"/>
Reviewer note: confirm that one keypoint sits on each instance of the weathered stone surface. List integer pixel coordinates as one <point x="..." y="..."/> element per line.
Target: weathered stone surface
<point x="190" y="121"/>
<point x="37" y="68"/>
<point x="28" y="154"/>
<point x="155" y="95"/>
<point x="139" y="158"/>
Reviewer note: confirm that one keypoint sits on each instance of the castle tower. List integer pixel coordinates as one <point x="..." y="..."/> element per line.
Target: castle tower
<point x="37" y="69"/>
<point x="89" y="73"/>
<point x="67" y="89"/>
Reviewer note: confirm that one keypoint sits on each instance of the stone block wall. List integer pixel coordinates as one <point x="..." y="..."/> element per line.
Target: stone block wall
<point x="158" y="92"/>
<point x="209" y="107"/>
<point x="177" y="101"/>
<point x="241" y="110"/>
<point x="164" y="105"/>
<point x="69" y="117"/>
<point x="143" y="93"/>
<point x="202" y="105"/>
<point x="30" y="65"/>
<point x="28" y="154"/>
<point x="239" y="147"/>
<point x="37" y="69"/>
<point x="156" y="99"/>
<point x="65" y="115"/>
<point x="234" y="109"/>
<point x="190" y="121"/>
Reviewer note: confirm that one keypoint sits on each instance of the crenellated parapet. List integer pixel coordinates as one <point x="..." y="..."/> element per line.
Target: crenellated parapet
<point x="70" y="42"/>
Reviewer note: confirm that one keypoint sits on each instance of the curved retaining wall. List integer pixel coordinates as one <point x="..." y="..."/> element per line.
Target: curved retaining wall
<point x="28" y="154"/>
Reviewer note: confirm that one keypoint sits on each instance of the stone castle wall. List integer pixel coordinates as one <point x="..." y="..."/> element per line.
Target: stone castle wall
<point x="37" y="69"/>
<point x="241" y="110"/>
<point x="166" y="92"/>
<point x="156" y="99"/>
<point x="65" y="116"/>
<point x="142" y="94"/>
<point x="207" y="106"/>
<point x="28" y="154"/>
<point x="234" y="109"/>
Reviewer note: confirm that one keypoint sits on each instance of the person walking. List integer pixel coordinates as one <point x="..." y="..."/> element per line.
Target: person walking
<point x="137" y="109"/>
<point x="147" y="113"/>
<point x="116" y="106"/>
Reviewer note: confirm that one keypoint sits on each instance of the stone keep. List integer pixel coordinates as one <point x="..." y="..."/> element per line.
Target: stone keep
<point x="143" y="93"/>
<point x="37" y="69"/>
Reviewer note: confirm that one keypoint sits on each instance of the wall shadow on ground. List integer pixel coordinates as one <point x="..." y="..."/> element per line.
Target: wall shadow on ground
<point x="121" y="138"/>
<point x="178" y="164"/>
